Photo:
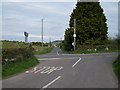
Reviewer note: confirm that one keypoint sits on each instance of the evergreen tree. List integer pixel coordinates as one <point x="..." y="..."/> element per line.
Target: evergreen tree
<point x="91" y="27"/>
<point x="68" y="39"/>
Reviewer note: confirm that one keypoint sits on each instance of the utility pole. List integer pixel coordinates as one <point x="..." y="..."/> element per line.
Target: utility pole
<point x="50" y="41"/>
<point x="74" y="34"/>
<point x="42" y="32"/>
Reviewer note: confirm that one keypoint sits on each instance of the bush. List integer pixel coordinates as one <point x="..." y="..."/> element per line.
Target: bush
<point x="15" y="51"/>
<point x="16" y="54"/>
<point x="16" y="57"/>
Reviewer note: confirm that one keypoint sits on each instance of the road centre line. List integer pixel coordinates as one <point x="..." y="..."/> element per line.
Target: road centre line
<point x="76" y="63"/>
<point x="52" y="82"/>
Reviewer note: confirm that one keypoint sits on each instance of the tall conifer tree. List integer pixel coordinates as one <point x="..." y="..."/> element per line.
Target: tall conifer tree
<point x="91" y="26"/>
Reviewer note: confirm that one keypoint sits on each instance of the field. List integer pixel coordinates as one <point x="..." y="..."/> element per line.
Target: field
<point x="41" y="50"/>
<point x="8" y="44"/>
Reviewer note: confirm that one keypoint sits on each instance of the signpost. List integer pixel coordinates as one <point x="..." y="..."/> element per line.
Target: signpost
<point x="26" y="37"/>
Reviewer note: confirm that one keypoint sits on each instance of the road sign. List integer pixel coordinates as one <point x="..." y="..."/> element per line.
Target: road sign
<point x="26" y="37"/>
<point x="26" y="34"/>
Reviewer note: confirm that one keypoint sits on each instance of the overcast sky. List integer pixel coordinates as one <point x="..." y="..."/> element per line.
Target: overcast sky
<point x="24" y="15"/>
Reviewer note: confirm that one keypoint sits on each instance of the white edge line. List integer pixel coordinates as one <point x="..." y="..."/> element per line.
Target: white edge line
<point x="76" y="63"/>
<point x="49" y="58"/>
<point x="53" y="58"/>
<point x="52" y="82"/>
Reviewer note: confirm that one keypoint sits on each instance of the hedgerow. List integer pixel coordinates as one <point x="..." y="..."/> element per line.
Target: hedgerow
<point x="14" y="52"/>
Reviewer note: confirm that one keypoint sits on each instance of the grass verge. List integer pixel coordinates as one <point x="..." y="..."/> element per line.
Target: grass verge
<point x="116" y="65"/>
<point x="89" y="52"/>
<point x="42" y="50"/>
<point x="17" y="67"/>
<point x="86" y="49"/>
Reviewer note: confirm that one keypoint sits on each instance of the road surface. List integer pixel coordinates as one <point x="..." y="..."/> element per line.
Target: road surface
<point x="57" y="70"/>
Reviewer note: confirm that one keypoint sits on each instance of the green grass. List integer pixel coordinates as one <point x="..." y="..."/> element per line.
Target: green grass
<point x="92" y="51"/>
<point x="42" y="50"/>
<point x="18" y="67"/>
<point x="116" y="65"/>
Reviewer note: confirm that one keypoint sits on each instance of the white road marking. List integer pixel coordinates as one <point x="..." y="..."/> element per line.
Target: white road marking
<point x="34" y="69"/>
<point x="76" y="62"/>
<point x="40" y="69"/>
<point x="49" y="58"/>
<point x="56" y="58"/>
<point x="52" y="82"/>
<point x="45" y="70"/>
<point x="51" y="70"/>
<point x="59" y="68"/>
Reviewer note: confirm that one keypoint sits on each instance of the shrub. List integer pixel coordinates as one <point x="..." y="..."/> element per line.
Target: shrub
<point x="13" y="52"/>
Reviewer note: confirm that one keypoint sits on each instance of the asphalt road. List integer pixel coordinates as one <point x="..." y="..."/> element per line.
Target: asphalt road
<point x="58" y="70"/>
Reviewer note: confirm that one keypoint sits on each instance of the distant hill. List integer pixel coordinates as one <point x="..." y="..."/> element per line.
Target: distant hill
<point x="56" y="42"/>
